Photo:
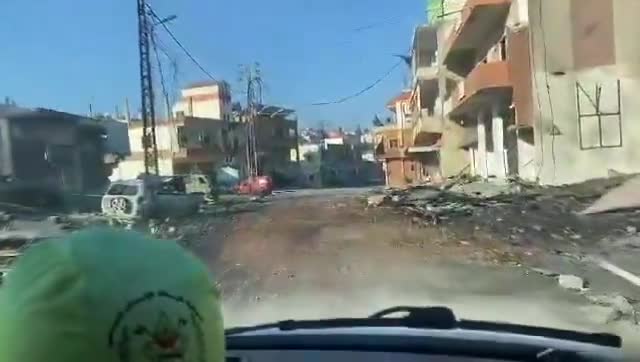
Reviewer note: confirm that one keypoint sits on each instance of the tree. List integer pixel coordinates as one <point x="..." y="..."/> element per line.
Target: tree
<point x="376" y="121"/>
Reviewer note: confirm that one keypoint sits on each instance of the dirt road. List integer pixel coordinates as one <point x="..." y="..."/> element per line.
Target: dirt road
<point x="326" y="255"/>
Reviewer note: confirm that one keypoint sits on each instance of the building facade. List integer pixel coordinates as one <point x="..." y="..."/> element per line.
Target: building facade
<point x="188" y="145"/>
<point x="548" y="89"/>
<point x="276" y="139"/>
<point x="205" y="100"/>
<point x="393" y="140"/>
<point x="47" y="148"/>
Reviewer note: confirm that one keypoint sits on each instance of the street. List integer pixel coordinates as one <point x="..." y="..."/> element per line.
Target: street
<point x="324" y="254"/>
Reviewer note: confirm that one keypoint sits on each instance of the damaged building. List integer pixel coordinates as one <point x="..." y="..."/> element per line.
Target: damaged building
<point x="539" y="90"/>
<point x="548" y="87"/>
<point x="47" y="149"/>
<point x="187" y="144"/>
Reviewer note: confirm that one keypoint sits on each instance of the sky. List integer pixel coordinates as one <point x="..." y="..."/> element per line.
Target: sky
<point x="67" y="54"/>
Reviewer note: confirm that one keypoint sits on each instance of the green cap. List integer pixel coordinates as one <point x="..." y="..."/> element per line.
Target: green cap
<point x="105" y="296"/>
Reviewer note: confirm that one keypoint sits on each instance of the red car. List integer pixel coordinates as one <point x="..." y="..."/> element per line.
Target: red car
<point x="256" y="185"/>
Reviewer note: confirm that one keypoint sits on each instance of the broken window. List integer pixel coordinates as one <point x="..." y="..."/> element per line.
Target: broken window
<point x="599" y="114"/>
<point x="393" y="143"/>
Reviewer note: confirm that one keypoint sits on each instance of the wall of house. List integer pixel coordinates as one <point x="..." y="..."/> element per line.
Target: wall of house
<point x="6" y="161"/>
<point x="490" y="153"/>
<point x="205" y="102"/>
<point x="276" y="137"/>
<point x="117" y="136"/>
<point x="526" y="149"/>
<point x="44" y="150"/>
<point x="597" y="50"/>
<point x="165" y="138"/>
<point x="453" y="159"/>
<point x="398" y="172"/>
<point x="130" y="169"/>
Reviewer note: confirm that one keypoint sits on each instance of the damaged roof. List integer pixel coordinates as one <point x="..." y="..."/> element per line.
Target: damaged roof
<point x="43" y="114"/>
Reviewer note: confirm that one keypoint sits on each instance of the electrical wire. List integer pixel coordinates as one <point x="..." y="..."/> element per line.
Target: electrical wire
<point x="184" y="49"/>
<point x="550" y="99"/>
<point x="364" y="90"/>
<point x="162" y="82"/>
<point x="536" y="90"/>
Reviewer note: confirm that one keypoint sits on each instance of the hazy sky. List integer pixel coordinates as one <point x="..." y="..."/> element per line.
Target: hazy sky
<point x="66" y="54"/>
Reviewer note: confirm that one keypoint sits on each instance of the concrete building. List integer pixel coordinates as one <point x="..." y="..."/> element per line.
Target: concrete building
<point x="393" y="140"/>
<point x="337" y="161"/>
<point x="549" y="87"/>
<point x="188" y="144"/>
<point x="43" y="147"/>
<point x="276" y="130"/>
<point x="435" y="138"/>
<point x="205" y="100"/>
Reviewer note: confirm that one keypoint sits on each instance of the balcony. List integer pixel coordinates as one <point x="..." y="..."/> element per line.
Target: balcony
<point x="481" y="26"/>
<point x="426" y="126"/>
<point x="486" y="83"/>
<point x="426" y="73"/>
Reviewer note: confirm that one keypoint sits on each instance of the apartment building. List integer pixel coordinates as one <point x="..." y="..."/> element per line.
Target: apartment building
<point x="431" y="143"/>
<point x="211" y="99"/>
<point x="187" y="144"/>
<point x="49" y="148"/>
<point x="393" y="141"/>
<point x="548" y="89"/>
<point x="276" y="137"/>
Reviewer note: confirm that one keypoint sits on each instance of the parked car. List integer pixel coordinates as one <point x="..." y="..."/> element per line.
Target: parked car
<point x="190" y="184"/>
<point x="256" y="185"/>
<point x="147" y="197"/>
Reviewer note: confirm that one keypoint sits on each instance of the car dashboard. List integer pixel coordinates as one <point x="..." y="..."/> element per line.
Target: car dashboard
<point x="344" y="356"/>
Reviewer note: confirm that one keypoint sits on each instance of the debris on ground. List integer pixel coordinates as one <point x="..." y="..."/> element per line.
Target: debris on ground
<point x="621" y="307"/>
<point x="376" y="200"/>
<point x="436" y="205"/>
<point x="519" y="213"/>
<point x="545" y="272"/>
<point x="623" y="197"/>
<point x="572" y="282"/>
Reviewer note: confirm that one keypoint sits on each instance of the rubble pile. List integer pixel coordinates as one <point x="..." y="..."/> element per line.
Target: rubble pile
<point x="436" y="205"/>
<point x="521" y="214"/>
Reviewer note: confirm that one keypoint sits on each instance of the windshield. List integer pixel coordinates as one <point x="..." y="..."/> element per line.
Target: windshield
<point x="333" y="158"/>
<point x="121" y="189"/>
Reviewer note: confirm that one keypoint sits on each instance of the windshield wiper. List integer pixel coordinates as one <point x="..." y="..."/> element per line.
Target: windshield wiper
<point x="417" y="317"/>
<point x="433" y="318"/>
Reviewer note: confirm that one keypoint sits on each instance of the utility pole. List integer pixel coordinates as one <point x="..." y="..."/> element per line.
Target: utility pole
<point x="149" y="143"/>
<point x="251" y="75"/>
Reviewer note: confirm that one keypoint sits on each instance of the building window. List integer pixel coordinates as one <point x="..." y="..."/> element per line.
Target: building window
<point x="393" y="143"/>
<point x="599" y="114"/>
<point x="292" y="132"/>
<point x="204" y="139"/>
<point x="182" y="137"/>
<point x="503" y="48"/>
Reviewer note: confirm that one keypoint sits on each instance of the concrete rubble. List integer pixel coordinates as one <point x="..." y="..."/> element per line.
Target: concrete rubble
<point x="536" y="225"/>
<point x="623" y="197"/>
<point x="572" y="282"/>
<point x="620" y="307"/>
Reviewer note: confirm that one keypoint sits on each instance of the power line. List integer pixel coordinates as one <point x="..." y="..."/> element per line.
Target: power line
<point x="362" y="91"/>
<point x="548" y="86"/>
<point x="161" y="73"/>
<point x="173" y="37"/>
